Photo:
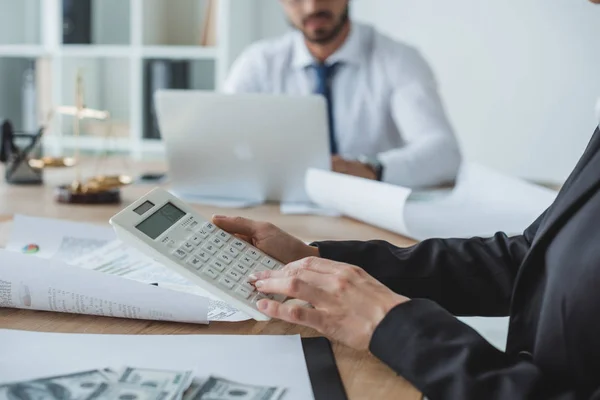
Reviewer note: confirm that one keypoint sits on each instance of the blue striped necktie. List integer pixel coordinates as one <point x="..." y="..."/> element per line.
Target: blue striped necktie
<point x="324" y="79"/>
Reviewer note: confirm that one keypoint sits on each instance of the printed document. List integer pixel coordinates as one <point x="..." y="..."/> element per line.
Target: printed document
<point x="95" y="247"/>
<point x="59" y="239"/>
<point x="48" y="285"/>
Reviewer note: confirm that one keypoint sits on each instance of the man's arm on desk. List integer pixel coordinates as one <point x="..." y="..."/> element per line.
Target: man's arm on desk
<point x="431" y="154"/>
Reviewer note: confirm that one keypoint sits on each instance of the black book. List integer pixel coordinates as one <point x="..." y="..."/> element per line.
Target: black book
<point x="162" y="74"/>
<point x="77" y="21"/>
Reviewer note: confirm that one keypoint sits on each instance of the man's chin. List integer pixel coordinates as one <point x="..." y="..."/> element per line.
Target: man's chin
<point x="319" y="37"/>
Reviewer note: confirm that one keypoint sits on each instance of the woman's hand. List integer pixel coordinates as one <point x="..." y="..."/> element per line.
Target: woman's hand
<point x="348" y="303"/>
<point x="267" y="238"/>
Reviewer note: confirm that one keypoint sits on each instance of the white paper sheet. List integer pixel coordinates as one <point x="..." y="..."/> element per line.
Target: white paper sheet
<point x="482" y="203"/>
<point x="117" y="258"/>
<point x="48" y="285"/>
<point x="375" y="203"/>
<point x="261" y="360"/>
<point x="63" y="240"/>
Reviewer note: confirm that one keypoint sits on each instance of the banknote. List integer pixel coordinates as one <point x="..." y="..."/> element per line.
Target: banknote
<point x="125" y="391"/>
<point x="77" y="386"/>
<point x="173" y="382"/>
<point x="222" y="389"/>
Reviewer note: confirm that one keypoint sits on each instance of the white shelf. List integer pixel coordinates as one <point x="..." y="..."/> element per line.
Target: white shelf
<point x="76" y="50"/>
<point x="24" y="51"/>
<point x="127" y="34"/>
<point x="180" y="52"/>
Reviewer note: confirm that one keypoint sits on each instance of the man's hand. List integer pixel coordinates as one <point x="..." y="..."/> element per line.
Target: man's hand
<point x="267" y="237"/>
<point x="348" y="303"/>
<point x="354" y="168"/>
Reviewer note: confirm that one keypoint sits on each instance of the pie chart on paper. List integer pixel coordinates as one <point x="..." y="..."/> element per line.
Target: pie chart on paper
<point x="31" y="249"/>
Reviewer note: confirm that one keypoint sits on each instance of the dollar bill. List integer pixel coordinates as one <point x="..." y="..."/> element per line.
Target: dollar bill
<point x="77" y="386"/>
<point x="124" y="391"/>
<point x="222" y="389"/>
<point x="172" y="382"/>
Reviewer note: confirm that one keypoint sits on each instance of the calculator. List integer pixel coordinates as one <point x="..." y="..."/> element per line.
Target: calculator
<point x="168" y="230"/>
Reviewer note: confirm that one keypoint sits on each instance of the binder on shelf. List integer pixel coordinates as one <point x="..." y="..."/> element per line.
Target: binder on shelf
<point x="162" y="74"/>
<point x="77" y="21"/>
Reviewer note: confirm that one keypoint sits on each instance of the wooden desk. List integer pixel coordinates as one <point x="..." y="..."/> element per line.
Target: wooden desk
<point x="363" y="375"/>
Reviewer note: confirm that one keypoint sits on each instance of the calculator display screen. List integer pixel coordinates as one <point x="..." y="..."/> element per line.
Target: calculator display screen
<point x="160" y="221"/>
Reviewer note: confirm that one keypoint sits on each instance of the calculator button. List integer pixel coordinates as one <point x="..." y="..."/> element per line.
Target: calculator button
<point x="188" y="246"/>
<point x="253" y="254"/>
<point x="167" y="241"/>
<point x="227" y="259"/>
<point x="217" y="241"/>
<point x="248" y="286"/>
<point x="210" y="248"/>
<point x="235" y="275"/>
<point x="193" y="225"/>
<point x="232" y="251"/>
<point x="243" y="292"/>
<point x="195" y="239"/>
<point x="238" y="244"/>
<point x="218" y="265"/>
<point x="247" y="261"/>
<point x="203" y="255"/>
<point x="209" y="227"/>
<point x="227" y="282"/>
<point x="224" y="236"/>
<point x="211" y="273"/>
<point x="268" y="262"/>
<point x="203" y="233"/>
<point x="241" y="268"/>
<point x="180" y="253"/>
<point x="195" y="262"/>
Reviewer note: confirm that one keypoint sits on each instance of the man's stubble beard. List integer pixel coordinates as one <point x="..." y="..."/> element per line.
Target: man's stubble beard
<point x="331" y="35"/>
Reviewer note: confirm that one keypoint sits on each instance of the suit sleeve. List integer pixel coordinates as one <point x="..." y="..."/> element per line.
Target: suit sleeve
<point x="446" y="359"/>
<point x="465" y="276"/>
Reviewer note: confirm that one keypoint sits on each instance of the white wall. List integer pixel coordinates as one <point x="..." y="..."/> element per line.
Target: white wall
<point x="520" y="78"/>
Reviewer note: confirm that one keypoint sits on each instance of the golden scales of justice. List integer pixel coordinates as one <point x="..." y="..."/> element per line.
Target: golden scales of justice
<point x="99" y="189"/>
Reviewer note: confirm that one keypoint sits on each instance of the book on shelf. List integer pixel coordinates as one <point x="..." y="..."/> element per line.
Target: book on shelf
<point x="162" y="74"/>
<point x="77" y="21"/>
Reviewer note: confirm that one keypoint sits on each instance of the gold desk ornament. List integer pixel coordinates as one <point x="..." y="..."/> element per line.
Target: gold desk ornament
<point x="99" y="189"/>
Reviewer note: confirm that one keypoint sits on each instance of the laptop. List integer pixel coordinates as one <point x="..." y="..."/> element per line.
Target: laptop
<point x="242" y="149"/>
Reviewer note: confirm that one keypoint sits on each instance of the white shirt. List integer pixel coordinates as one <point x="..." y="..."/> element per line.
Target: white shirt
<point x="385" y="98"/>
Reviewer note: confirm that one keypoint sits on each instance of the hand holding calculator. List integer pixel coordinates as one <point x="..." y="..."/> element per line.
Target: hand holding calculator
<point x="171" y="232"/>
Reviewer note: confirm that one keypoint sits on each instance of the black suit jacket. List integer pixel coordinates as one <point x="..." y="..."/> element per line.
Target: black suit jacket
<point x="547" y="280"/>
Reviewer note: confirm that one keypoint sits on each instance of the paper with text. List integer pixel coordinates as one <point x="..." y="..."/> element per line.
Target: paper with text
<point x="60" y="239"/>
<point x="117" y="258"/>
<point x="47" y="285"/>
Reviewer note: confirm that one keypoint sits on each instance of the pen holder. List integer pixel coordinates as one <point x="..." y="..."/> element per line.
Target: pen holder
<point x="17" y="150"/>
